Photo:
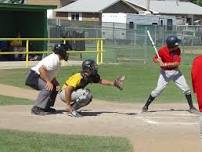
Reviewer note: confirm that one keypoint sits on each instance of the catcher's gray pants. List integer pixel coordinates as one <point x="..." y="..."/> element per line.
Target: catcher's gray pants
<point x="80" y="98"/>
<point x="46" y="98"/>
<point x="167" y="75"/>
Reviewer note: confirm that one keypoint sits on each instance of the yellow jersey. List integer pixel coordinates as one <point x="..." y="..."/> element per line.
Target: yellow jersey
<point x="79" y="80"/>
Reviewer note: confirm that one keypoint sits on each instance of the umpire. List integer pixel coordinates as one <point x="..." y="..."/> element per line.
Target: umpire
<point x="43" y="77"/>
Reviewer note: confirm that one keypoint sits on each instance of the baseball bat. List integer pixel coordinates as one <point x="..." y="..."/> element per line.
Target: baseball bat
<point x="153" y="44"/>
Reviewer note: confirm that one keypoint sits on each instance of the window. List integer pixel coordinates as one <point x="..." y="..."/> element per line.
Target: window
<point x="161" y="22"/>
<point x="131" y="25"/>
<point x="75" y="16"/>
<point x="169" y="24"/>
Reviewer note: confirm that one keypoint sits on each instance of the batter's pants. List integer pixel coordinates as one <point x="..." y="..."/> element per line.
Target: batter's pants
<point x="168" y="75"/>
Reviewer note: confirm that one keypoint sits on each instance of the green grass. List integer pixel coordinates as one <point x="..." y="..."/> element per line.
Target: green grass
<point x="40" y="142"/>
<point x="5" y="100"/>
<point x="140" y="80"/>
<point x="14" y="77"/>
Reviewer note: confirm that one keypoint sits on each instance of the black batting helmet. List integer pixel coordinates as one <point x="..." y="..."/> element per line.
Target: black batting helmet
<point x="61" y="50"/>
<point x="89" y="65"/>
<point x="172" y="41"/>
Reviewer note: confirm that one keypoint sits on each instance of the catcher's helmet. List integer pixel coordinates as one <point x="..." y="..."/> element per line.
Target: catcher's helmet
<point x="61" y="50"/>
<point x="89" y="65"/>
<point x="172" y="41"/>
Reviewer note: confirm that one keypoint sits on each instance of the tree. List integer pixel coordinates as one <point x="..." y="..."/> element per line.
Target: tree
<point x="198" y="2"/>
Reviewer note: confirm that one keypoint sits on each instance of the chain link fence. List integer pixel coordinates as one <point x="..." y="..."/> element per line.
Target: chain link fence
<point x="129" y="43"/>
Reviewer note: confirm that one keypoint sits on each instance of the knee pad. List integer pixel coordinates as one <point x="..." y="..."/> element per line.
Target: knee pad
<point x="83" y="98"/>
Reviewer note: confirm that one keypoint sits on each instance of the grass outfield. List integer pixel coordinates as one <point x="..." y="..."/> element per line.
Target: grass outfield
<point x="140" y="80"/>
<point x="5" y="100"/>
<point x="40" y="142"/>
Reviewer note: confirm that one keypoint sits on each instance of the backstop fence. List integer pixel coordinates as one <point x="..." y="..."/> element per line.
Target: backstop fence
<point x="109" y="42"/>
<point x="130" y="43"/>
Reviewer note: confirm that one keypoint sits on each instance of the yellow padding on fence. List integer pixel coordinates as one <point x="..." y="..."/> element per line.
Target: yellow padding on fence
<point x="99" y="47"/>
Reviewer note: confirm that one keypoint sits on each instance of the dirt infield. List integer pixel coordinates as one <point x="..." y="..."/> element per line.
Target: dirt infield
<point x="169" y="128"/>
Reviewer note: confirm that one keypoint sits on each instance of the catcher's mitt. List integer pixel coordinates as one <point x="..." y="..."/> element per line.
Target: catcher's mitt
<point x="118" y="82"/>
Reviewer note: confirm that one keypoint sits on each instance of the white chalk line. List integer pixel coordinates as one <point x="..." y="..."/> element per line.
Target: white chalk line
<point x="154" y="122"/>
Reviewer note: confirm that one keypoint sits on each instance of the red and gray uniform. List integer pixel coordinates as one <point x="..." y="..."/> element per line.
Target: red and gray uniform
<point x="170" y="73"/>
<point x="196" y="74"/>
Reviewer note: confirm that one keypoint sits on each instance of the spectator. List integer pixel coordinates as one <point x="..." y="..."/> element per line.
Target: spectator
<point x="4" y="46"/>
<point x="16" y="46"/>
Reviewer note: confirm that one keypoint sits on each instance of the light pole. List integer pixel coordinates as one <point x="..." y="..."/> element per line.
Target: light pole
<point x="148" y="4"/>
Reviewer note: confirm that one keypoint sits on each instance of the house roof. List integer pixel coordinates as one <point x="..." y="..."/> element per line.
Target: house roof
<point x="93" y="6"/>
<point x="87" y="6"/>
<point x="169" y="6"/>
<point x="156" y="6"/>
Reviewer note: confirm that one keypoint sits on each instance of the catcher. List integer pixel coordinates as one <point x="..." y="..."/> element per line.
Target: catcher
<point x="73" y="92"/>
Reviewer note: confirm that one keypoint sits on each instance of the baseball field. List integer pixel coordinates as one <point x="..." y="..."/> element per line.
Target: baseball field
<point x="113" y="122"/>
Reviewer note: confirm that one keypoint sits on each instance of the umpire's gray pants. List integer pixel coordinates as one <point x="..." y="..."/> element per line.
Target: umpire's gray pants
<point x="46" y="98"/>
<point x="168" y="75"/>
<point x="79" y="97"/>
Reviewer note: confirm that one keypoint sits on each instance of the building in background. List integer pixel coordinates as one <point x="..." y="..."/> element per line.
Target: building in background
<point x="184" y="11"/>
<point x="91" y="10"/>
<point x="50" y="12"/>
<point x="125" y="23"/>
<point x="58" y="3"/>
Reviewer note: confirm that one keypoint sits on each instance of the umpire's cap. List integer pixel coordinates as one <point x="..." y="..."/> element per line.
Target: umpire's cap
<point x="61" y="50"/>
<point x="172" y="41"/>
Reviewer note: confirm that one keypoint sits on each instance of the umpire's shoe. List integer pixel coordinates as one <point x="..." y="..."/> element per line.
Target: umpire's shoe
<point x="38" y="111"/>
<point x="145" y="109"/>
<point x="50" y="110"/>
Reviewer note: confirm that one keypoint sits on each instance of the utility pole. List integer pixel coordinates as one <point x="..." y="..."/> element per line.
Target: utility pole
<point x="177" y="2"/>
<point x="148" y="5"/>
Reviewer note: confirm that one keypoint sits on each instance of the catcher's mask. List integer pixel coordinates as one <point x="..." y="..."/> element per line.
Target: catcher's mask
<point x="89" y="65"/>
<point x="61" y="49"/>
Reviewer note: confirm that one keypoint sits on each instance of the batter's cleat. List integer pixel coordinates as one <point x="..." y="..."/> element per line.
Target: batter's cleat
<point x="193" y="110"/>
<point x="144" y="109"/>
<point x="38" y="111"/>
